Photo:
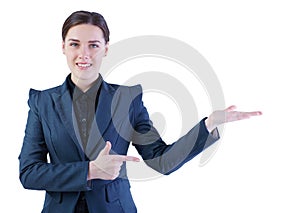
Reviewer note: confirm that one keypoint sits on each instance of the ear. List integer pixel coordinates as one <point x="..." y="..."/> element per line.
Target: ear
<point x="63" y="47"/>
<point x="106" y="49"/>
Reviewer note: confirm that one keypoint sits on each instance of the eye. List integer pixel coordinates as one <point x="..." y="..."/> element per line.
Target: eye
<point x="73" y="44"/>
<point x="94" y="46"/>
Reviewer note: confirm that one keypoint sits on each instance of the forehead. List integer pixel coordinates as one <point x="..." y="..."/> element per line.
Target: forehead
<point x="84" y="32"/>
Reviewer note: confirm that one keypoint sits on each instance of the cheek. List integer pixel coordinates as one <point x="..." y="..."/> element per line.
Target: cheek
<point x="97" y="56"/>
<point x="101" y="51"/>
<point x="70" y="56"/>
<point x="98" y="60"/>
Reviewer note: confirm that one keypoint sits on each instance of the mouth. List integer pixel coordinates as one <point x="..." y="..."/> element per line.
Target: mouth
<point x="83" y="65"/>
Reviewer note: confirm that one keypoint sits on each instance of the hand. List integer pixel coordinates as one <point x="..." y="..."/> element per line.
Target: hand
<point x="107" y="166"/>
<point x="228" y="115"/>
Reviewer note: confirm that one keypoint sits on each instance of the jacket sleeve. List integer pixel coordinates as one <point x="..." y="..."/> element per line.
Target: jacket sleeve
<point x="34" y="170"/>
<point x="162" y="157"/>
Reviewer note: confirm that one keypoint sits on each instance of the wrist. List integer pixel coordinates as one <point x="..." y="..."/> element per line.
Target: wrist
<point x="209" y="125"/>
<point x="90" y="170"/>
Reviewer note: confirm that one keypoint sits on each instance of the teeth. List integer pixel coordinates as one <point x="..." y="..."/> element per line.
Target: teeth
<point x="84" y="65"/>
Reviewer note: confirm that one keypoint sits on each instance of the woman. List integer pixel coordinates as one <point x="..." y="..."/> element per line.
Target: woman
<point x="86" y="125"/>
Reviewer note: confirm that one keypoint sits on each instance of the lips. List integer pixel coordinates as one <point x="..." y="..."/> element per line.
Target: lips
<point x="83" y="65"/>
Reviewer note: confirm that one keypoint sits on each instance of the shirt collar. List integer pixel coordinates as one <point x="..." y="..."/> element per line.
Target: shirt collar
<point x="91" y="92"/>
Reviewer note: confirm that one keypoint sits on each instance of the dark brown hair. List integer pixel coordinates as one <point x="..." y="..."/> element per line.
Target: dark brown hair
<point x="85" y="17"/>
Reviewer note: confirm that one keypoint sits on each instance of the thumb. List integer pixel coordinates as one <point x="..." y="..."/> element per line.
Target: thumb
<point x="231" y="108"/>
<point x="106" y="149"/>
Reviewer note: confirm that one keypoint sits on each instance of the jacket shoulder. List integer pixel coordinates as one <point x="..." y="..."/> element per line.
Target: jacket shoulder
<point x="49" y="90"/>
<point x="34" y="92"/>
<point x="36" y="97"/>
<point x="124" y="87"/>
<point x="133" y="90"/>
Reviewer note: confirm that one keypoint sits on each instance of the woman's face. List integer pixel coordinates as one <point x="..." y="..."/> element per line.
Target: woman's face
<point x="84" y="47"/>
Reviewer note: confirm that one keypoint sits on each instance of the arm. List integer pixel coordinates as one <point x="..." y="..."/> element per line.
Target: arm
<point x="35" y="172"/>
<point x="162" y="157"/>
<point x="168" y="158"/>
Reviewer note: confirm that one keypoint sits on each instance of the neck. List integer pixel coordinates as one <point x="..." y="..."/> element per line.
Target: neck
<point x="83" y="84"/>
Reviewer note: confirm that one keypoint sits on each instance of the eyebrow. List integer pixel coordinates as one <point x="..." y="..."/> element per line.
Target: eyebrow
<point x="92" y="41"/>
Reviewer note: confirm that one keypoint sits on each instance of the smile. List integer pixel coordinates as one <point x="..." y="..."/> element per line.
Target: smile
<point x="83" y="65"/>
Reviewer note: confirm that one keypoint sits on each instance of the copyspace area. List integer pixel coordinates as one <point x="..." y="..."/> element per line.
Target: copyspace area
<point x="253" y="48"/>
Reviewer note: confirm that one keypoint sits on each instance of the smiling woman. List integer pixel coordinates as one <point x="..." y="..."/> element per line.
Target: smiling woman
<point x="84" y="46"/>
<point x="86" y="126"/>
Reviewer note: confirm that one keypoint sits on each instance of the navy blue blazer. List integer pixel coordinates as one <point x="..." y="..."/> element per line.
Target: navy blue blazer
<point x="52" y="158"/>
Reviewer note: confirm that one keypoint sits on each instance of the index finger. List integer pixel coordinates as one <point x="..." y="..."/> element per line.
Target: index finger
<point x="131" y="158"/>
<point x="125" y="158"/>
<point x="255" y="113"/>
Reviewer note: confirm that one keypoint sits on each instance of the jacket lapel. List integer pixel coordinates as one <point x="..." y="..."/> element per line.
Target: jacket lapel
<point x="104" y="112"/>
<point x="64" y="106"/>
<point x="107" y="105"/>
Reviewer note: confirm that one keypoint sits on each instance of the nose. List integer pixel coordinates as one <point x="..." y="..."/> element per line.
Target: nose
<point x="84" y="53"/>
<point x="84" y="57"/>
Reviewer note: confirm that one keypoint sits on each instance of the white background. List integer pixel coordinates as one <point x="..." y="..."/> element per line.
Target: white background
<point x="253" y="47"/>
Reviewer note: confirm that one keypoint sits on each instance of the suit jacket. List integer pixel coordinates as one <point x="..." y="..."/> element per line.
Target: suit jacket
<point x="52" y="158"/>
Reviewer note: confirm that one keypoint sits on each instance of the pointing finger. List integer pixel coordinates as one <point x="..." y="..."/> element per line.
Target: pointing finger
<point x="255" y="113"/>
<point x="123" y="158"/>
<point x="132" y="158"/>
